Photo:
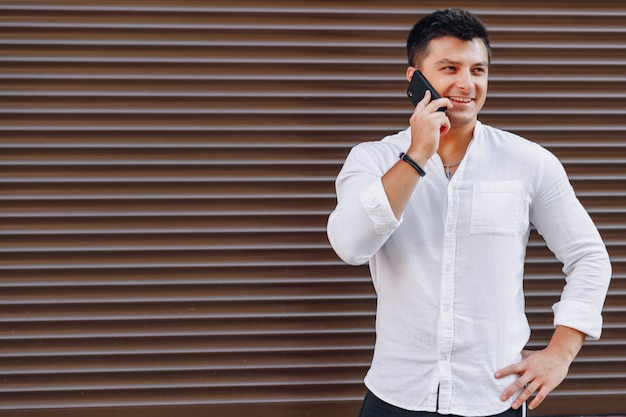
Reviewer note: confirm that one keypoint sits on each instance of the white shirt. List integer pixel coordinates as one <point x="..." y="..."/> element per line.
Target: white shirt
<point x="448" y="275"/>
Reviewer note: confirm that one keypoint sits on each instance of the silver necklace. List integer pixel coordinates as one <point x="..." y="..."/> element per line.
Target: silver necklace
<point x="449" y="171"/>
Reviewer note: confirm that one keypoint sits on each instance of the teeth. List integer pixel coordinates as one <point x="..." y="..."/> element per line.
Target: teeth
<point x="461" y="99"/>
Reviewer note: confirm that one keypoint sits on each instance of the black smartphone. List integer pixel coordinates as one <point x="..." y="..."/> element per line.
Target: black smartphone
<point x="417" y="88"/>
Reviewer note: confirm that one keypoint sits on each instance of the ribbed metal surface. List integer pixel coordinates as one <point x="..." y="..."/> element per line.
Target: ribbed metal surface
<point x="167" y="168"/>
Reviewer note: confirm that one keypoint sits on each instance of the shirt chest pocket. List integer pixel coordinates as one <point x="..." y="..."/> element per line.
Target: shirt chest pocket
<point x="496" y="207"/>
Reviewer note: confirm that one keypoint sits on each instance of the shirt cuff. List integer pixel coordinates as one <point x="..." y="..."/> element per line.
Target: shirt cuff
<point x="377" y="207"/>
<point x="578" y="316"/>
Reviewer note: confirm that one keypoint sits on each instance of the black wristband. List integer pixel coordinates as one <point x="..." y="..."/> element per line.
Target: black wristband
<point x="406" y="158"/>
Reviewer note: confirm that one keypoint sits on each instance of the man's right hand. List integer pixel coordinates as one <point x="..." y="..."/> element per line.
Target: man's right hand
<point x="427" y="125"/>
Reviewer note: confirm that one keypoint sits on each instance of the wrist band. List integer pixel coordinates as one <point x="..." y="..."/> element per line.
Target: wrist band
<point x="406" y="158"/>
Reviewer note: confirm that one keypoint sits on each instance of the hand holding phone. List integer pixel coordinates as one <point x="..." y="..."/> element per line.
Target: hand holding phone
<point x="417" y="88"/>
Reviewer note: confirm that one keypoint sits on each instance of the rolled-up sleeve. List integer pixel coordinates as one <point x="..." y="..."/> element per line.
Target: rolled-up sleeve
<point x="572" y="236"/>
<point x="363" y="219"/>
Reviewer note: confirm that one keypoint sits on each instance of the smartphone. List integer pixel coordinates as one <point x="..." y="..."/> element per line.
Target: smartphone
<point x="417" y="88"/>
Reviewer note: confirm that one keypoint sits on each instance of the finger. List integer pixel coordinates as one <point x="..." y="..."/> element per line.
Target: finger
<point x="541" y="395"/>
<point x="520" y="384"/>
<point x="509" y="370"/>
<point x="423" y="102"/>
<point x="445" y="127"/>
<point x="524" y="395"/>
<point x="440" y="102"/>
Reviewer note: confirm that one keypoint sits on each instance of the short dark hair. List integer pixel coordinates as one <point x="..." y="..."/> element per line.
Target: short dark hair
<point x="455" y="22"/>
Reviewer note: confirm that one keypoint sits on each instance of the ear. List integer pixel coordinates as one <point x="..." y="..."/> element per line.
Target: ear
<point x="409" y="73"/>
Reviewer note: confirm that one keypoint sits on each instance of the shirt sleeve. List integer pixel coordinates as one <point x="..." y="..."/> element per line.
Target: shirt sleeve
<point x="571" y="235"/>
<point x="363" y="219"/>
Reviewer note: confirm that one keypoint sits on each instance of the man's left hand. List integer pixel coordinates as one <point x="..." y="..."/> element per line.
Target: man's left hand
<point x="543" y="370"/>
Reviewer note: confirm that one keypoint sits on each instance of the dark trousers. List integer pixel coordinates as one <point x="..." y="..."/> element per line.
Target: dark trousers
<point x="375" y="407"/>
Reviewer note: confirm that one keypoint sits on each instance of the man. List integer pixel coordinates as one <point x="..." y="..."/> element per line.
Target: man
<point x="446" y="249"/>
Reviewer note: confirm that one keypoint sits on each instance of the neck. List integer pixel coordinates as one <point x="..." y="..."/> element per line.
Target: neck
<point x="453" y="145"/>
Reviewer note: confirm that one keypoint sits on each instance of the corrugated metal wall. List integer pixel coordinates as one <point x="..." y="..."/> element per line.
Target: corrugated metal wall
<point x="167" y="168"/>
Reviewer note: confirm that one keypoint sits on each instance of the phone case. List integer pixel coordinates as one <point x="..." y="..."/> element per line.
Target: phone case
<point x="417" y="88"/>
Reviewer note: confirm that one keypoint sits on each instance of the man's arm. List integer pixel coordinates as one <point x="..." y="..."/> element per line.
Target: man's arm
<point x="573" y="238"/>
<point x="427" y="124"/>
<point x="370" y="205"/>
<point x="543" y="370"/>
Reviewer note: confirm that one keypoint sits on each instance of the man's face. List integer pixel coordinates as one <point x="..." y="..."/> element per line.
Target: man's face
<point x="458" y="70"/>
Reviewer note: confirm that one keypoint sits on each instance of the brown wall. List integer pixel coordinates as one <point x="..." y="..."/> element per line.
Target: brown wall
<point x="166" y="173"/>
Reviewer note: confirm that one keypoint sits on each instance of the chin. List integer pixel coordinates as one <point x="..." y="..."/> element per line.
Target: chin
<point x="459" y="120"/>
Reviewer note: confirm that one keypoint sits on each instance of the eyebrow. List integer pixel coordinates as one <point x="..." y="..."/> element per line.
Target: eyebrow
<point x="450" y="61"/>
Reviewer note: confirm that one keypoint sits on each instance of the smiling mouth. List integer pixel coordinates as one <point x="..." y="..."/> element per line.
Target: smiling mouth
<point x="461" y="99"/>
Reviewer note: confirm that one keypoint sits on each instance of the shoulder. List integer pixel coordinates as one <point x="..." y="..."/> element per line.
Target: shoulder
<point x="520" y="157"/>
<point x="505" y="140"/>
<point x="515" y="148"/>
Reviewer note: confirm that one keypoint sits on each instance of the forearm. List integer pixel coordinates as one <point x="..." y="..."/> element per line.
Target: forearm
<point x="566" y="342"/>
<point x="400" y="182"/>
<point x="371" y="199"/>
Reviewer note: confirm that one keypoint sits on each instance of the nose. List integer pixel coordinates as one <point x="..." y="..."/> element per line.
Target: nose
<point x="465" y="81"/>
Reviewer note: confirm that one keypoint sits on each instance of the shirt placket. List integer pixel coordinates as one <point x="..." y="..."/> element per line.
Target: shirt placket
<point x="446" y="305"/>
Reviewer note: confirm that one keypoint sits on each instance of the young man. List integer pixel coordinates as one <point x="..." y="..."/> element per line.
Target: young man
<point x="446" y="249"/>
